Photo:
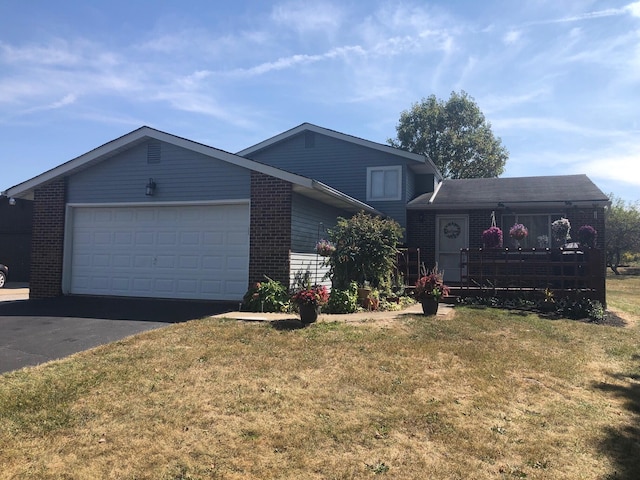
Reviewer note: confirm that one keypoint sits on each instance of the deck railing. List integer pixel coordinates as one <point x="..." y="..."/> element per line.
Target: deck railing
<point x="563" y="271"/>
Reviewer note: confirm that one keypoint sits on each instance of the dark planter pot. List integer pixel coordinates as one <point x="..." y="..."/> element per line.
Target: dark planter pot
<point x="308" y="313"/>
<point x="430" y="306"/>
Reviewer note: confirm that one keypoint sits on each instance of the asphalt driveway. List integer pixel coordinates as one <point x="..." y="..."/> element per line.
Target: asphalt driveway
<point x="37" y="331"/>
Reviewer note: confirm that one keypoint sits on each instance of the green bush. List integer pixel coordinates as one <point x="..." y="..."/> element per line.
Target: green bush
<point x="365" y="251"/>
<point x="343" y="301"/>
<point x="268" y="296"/>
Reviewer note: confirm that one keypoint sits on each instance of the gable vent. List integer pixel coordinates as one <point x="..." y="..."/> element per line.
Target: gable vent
<point x="309" y="139"/>
<point x="153" y="153"/>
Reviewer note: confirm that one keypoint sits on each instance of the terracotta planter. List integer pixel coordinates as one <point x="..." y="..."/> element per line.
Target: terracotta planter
<point x="430" y="306"/>
<point x="308" y="313"/>
<point x="363" y="292"/>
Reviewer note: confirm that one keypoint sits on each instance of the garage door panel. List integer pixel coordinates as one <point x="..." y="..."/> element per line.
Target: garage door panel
<point x="144" y="239"/>
<point x="199" y="252"/>
<point x="121" y="261"/>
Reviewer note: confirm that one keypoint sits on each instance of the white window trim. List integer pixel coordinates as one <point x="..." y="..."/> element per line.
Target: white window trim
<point x="370" y="170"/>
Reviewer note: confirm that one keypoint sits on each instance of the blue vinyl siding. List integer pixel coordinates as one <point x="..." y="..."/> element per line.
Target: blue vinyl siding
<point x="306" y="217"/>
<point x="337" y="163"/>
<point x="181" y="175"/>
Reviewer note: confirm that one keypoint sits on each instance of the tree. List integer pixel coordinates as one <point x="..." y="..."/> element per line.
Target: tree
<point x="622" y="225"/>
<point x="365" y="251"/>
<point x="454" y="134"/>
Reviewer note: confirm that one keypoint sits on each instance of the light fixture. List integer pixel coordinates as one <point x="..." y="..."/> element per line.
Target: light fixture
<point x="151" y="187"/>
<point x="12" y="201"/>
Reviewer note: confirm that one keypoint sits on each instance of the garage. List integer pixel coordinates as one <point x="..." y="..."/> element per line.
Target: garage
<point x="169" y="251"/>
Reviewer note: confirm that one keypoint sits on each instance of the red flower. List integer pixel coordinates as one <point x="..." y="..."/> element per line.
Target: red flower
<point x="318" y="295"/>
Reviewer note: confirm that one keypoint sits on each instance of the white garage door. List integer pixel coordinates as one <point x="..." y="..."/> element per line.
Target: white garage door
<point x="195" y="252"/>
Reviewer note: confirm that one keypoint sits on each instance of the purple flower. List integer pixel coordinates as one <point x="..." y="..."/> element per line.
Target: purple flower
<point x="587" y="236"/>
<point x="518" y="231"/>
<point x="492" y="238"/>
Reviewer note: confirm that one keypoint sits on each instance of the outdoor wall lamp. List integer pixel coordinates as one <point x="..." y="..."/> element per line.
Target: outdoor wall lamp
<point x="12" y="201"/>
<point x="150" y="188"/>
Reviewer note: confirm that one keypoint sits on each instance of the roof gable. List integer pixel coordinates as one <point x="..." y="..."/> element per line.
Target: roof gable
<point x="302" y="184"/>
<point x="412" y="157"/>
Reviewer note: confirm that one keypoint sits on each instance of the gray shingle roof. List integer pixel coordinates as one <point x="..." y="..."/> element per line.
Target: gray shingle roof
<point x="489" y="192"/>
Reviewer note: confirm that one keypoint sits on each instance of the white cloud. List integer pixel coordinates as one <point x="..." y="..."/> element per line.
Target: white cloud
<point x="633" y="9"/>
<point x="58" y="53"/>
<point x="305" y="17"/>
<point x="508" y="101"/>
<point x="63" y="102"/>
<point x="512" y="37"/>
<point x="552" y="124"/>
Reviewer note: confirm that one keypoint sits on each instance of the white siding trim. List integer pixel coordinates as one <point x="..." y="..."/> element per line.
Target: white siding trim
<point x="311" y="262"/>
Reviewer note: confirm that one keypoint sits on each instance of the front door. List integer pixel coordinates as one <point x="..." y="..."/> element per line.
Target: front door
<point x="452" y="235"/>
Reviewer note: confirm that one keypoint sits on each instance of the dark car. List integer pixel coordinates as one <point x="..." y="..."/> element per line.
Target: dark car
<point x="4" y="273"/>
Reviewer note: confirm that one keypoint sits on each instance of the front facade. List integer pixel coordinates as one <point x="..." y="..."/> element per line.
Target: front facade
<point x="154" y="215"/>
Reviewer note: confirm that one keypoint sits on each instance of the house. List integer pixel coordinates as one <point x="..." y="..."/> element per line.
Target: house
<point x="151" y="214"/>
<point x="155" y="215"/>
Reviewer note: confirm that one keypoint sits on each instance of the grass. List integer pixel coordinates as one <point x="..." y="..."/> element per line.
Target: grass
<point x="481" y="394"/>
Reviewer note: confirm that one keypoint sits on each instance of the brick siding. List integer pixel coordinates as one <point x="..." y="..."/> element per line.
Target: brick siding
<point x="421" y="228"/>
<point x="270" y="230"/>
<point x="47" y="240"/>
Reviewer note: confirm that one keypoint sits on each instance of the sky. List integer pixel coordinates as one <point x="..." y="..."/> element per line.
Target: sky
<point x="558" y="80"/>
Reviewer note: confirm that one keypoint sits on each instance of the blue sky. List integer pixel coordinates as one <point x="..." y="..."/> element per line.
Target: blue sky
<point x="558" y="80"/>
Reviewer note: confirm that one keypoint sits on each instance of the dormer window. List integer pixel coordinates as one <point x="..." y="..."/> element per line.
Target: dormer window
<point x="384" y="183"/>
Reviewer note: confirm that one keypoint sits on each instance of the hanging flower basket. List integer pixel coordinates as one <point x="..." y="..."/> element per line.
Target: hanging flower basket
<point x="587" y="236"/>
<point x="492" y="238"/>
<point x="518" y="232"/>
<point x="325" y="248"/>
<point x="560" y="230"/>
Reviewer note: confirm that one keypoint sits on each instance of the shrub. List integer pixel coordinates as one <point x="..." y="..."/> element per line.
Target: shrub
<point x="268" y="296"/>
<point x="365" y="250"/>
<point x="343" y="301"/>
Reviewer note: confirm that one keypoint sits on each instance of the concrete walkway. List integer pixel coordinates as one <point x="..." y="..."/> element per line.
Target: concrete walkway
<point x="14" y="291"/>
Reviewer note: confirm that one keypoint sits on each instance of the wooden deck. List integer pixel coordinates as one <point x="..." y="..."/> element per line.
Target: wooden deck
<point x="530" y="272"/>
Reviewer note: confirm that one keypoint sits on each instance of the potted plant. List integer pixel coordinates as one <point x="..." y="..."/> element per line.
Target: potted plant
<point x="587" y="236"/>
<point x="309" y="300"/>
<point x="518" y="233"/>
<point x="560" y="230"/>
<point x="492" y="238"/>
<point x="430" y="288"/>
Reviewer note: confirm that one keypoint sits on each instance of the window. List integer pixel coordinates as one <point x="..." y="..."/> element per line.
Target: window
<point x="384" y="183"/>
<point x="538" y="225"/>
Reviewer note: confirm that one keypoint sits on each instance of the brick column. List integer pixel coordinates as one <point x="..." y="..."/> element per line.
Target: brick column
<point x="47" y="240"/>
<point x="270" y="229"/>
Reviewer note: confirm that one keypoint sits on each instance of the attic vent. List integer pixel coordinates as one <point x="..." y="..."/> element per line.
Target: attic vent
<point x="153" y="153"/>
<point x="309" y="139"/>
